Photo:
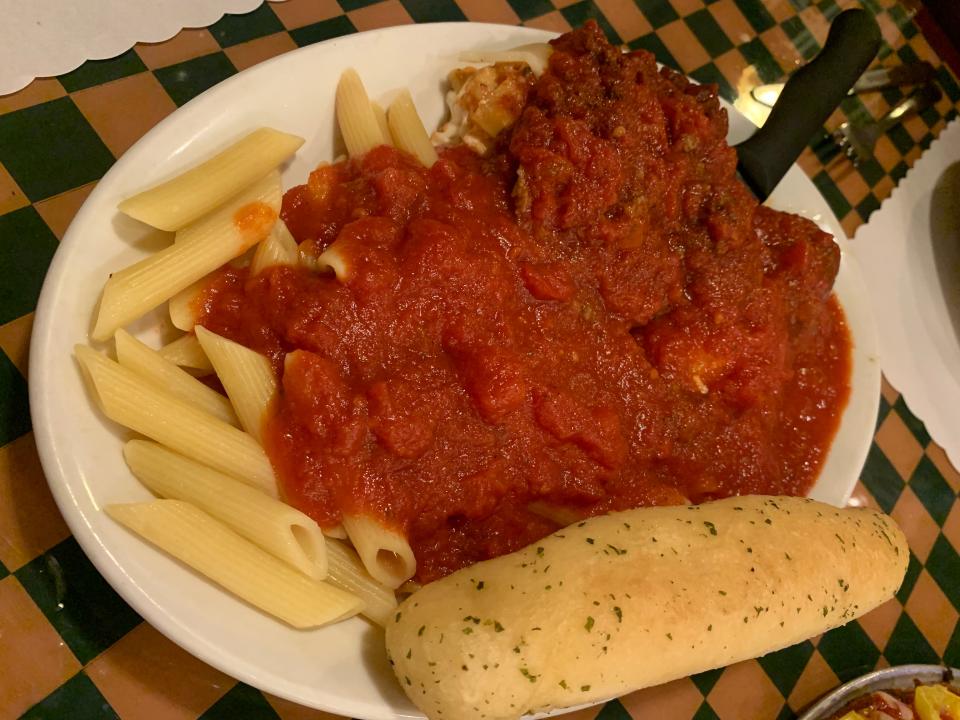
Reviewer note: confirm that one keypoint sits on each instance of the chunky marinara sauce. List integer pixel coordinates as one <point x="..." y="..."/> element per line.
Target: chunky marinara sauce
<point x="596" y="316"/>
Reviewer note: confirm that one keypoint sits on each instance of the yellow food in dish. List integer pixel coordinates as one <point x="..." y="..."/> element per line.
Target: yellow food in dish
<point x="935" y="702"/>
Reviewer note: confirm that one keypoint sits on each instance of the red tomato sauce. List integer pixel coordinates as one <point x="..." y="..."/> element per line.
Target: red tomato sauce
<point x="255" y="218"/>
<point x="597" y="316"/>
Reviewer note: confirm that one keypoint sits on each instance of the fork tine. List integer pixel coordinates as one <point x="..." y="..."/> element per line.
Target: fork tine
<point x="840" y="137"/>
<point x="845" y="143"/>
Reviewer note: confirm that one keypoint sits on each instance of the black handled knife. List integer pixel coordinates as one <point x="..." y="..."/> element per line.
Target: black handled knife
<point x="808" y="98"/>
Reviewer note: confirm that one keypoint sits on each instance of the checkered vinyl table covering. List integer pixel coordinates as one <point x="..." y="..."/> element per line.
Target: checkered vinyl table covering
<point x="71" y="648"/>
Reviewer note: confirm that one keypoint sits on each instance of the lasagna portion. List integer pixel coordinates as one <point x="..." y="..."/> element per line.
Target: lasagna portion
<point x="483" y="102"/>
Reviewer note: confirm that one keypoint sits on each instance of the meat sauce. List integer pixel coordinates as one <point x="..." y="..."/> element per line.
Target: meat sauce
<point x="596" y="316"/>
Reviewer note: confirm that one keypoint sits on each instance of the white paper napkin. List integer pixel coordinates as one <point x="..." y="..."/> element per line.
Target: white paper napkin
<point x="42" y="38"/>
<point x="910" y="255"/>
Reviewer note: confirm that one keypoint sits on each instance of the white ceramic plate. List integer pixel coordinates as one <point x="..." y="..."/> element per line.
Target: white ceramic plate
<point x="340" y="669"/>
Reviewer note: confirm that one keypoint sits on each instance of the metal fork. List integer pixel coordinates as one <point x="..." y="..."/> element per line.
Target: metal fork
<point x="858" y="140"/>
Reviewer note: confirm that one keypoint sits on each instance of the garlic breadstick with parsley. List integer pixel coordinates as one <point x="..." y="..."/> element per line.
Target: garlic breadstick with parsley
<point x="639" y="598"/>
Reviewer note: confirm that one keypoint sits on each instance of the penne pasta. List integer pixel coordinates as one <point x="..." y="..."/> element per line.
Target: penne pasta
<point x="346" y="571"/>
<point x="283" y="531"/>
<point x="358" y="122"/>
<point x="184" y="307"/>
<point x="385" y="553"/>
<point x="127" y="399"/>
<point x="307" y="259"/>
<point x="333" y="259"/>
<point x="201" y="248"/>
<point x="212" y="549"/>
<point x="336" y="532"/>
<point x="178" y="202"/>
<point x="277" y="248"/>
<point x="246" y="375"/>
<point x="381" y="116"/>
<point x="408" y="131"/>
<point x="149" y="364"/>
<point x="186" y="352"/>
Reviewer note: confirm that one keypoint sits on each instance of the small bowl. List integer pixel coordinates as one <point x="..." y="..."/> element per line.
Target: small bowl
<point x="899" y="677"/>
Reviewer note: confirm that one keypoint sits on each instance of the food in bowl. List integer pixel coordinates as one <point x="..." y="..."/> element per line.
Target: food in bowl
<point x="937" y="701"/>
